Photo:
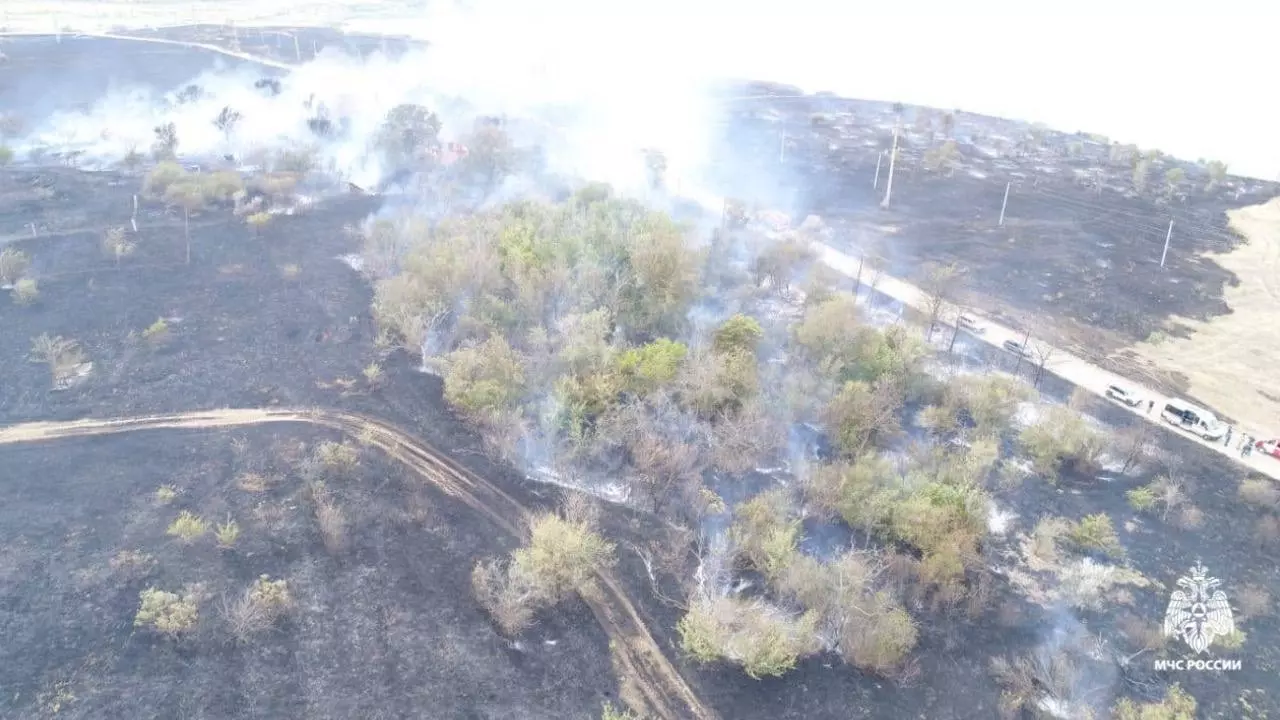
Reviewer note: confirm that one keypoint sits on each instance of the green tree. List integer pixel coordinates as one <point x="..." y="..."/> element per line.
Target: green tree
<point x="738" y="333"/>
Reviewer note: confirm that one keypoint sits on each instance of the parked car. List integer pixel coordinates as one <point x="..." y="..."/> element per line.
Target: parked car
<point x="1195" y="420"/>
<point x="964" y="322"/>
<point x="1268" y="447"/>
<point x="1017" y="348"/>
<point x="1123" y="395"/>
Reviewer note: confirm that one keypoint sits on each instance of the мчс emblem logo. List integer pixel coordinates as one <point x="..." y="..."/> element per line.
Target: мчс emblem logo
<point x="1199" y="613"/>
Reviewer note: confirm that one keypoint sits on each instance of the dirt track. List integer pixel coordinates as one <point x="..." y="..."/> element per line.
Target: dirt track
<point x="656" y="688"/>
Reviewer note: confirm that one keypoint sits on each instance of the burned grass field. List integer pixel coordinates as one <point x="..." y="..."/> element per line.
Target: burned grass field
<point x="373" y="618"/>
<point x="1077" y="256"/>
<point x="813" y="507"/>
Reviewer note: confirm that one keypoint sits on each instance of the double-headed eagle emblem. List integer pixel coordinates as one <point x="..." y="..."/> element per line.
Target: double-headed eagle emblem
<point x="1199" y="613"/>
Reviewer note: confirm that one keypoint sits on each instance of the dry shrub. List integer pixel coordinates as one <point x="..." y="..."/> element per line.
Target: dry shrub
<point x="765" y="533"/>
<point x="132" y="564"/>
<point x="337" y="459"/>
<point x="258" y="608"/>
<point x="742" y="440"/>
<point x="880" y="641"/>
<point x="1178" y="704"/>
<point x="1027" y="680"/>
<point x="1260" y="492"/>
<point x="166" y="612"/>
<point x="1096" y="532"/>
<point x="507" y="594"/>
<point x="1062" y="439"/>
<point x="13" y="263"/>
<point x="1045" y="538"/>
<point x="1143" y="634"/>
<point x="254" y="482"/>
<point x="332" y="520"/>
<point x="1190" y="517"/>
<point x="187" y="527"/>
<point x="1266" y="531"/>
<point x="763" y="640"/>
<point x="1254" y="601"/>
<point x="563" y="553"/>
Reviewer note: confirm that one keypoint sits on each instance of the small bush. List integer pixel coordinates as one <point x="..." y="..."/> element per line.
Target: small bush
<point x="373" y="374"/>
<point x="271" y="594"/>
<point x="13" y="263"/>
<point x="25" y="291"/>
<point x="166" y="612"/>
<point x="879" y="641"/>
<point x="132" y="564"/>
<point x="187" y="527"/>
<point x="1095" y="532"/>
<point x="337" y="459"/>
<point x="765" y="533"/>
<point x="333" y="525"/>
<point x="1254" y="602"/>
<point x="509" y="596"/>
<point x="486" y="381"/>
<point x="161" y="177"/>
<point x="562" y="555"/>
<point x="62" y="355"/>
<point x="611" y="713"/>
<point x="6" y="155"/>
<point x="1045" y="537"/>
<point x="649" y="367"/>
<point x="227" y="533"/>
<point x="166" y="494"/>
<point x="760" y="639"/>
<point x="261" y="605"/>
<point x="1061" y="438"/>
<point x="157" y="332"/>
<point x="1141" y="499"/>
<point x="1178" y="704"/>
<point x="1233" y="640"/>
<point x="1260" y="492"/>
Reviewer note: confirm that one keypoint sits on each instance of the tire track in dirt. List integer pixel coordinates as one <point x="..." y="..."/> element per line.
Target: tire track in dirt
<point x="651" y="684"/>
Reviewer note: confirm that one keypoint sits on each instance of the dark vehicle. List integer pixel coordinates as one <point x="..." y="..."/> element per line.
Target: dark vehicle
<point x="1016" y="348"/>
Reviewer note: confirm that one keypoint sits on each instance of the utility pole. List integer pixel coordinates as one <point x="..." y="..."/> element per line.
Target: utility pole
<point x="1027" y="338"/>
<point x="782" y="148"/>
<point x="1167" y="236"/>
<point x="893" y="156"/>
<point x="1005" y="204"/>
<point x="297" y="52"/>
<point x="875" y="184"/>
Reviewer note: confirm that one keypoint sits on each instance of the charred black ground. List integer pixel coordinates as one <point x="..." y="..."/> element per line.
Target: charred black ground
<point x="277" y="318"/>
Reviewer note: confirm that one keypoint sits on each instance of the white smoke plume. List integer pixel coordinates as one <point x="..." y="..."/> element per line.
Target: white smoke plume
<point x="594" y="91"/>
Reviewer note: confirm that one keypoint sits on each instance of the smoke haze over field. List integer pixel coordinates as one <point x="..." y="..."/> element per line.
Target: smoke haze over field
<point x="1183" y="80"/>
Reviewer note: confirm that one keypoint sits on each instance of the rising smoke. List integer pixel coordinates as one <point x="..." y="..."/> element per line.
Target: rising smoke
<point x="594" y="94"/>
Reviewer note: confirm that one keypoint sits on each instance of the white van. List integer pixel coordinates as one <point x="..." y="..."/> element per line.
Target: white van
<point x="1193" y="419"/>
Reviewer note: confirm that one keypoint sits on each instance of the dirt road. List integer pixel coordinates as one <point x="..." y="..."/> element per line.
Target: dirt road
<point x="1077" y="371"/>
<point x="651" y="685"/>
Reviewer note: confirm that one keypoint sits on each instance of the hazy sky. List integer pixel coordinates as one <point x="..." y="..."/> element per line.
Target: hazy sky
<point x="1192" y="79"/>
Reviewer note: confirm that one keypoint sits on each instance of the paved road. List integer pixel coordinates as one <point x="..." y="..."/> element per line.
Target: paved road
<point x="1075" y="370"/>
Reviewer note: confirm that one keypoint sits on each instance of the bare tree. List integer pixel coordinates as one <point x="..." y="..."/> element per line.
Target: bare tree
<point x="940" y="284"/>
<point x="1042" y="352"/>
<point x="1130" y="443"/>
